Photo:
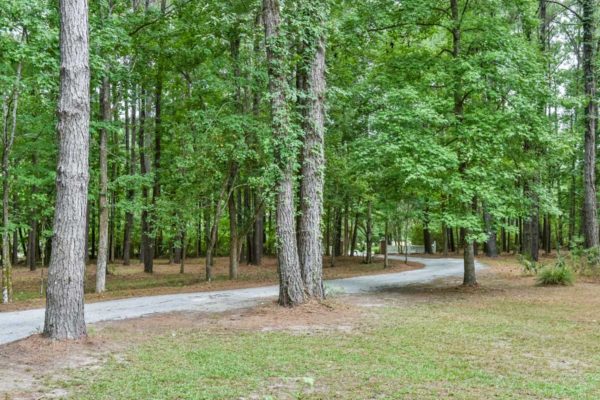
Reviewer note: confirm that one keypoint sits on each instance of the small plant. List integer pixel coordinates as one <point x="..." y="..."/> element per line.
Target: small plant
<point x="530" y="267"/>
<point x="558" y="274"/>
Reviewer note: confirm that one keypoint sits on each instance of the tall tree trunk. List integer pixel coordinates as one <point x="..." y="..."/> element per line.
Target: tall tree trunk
<point x="234" y="238"/>
<point x="427" y="242"/>
<point x="369" y="234"/>
<point x="459" y="98"/>
<point x="64" y="296"/>
<point x="102" y="262"/>
<point x="32" y="245"/>
<point x="130" y="134"/>
<point x="354" y="235"/>
<point x="258" y="235"/>
<point x="147" y="246"/>
<point x="291" y="291"/>
<point x="385" y="245"/>
<point x="313" y="162"/>
<point x="590" y="216"/>
<point x="8" y="141"/>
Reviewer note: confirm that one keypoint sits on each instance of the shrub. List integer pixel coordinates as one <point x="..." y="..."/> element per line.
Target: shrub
<point x="530" y="267"/>
<point x="559" y="274"/>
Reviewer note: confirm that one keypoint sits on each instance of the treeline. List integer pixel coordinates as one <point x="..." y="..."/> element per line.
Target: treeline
<point x="301" y="129"/>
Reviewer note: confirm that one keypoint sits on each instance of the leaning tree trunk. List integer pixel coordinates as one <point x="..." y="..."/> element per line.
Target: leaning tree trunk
<point x="590" y="216"/>
<point x="310" y="245"/>
<point x="101" y="263"/>
<point x="291" y="291"/>
<point x="64" y="296"/>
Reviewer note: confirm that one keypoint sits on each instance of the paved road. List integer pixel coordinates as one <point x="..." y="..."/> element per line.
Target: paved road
<point x="20" y="324"/>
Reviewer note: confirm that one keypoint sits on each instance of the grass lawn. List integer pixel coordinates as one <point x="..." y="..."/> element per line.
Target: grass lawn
<point x="506" y="340"/>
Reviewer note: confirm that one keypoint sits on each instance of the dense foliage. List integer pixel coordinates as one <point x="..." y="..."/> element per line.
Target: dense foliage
<point x="448" y="121"/>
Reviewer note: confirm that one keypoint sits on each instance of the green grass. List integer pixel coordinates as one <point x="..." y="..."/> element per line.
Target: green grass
<point x="503" y="349"/>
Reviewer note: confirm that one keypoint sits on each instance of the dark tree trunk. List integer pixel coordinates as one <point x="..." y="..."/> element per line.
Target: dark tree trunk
<point x="531" y="231"/>
<point x="369" y="238"/>
<point x="130" y="134"/>
<point x="337" y="233"/>
<point x="459" y="98"/>
<point x="64" y="296"/>
<point x="427" y="244"/>
<point x="258" y="236"/>
<point x="32" y="245"/>
<point x="491" y="247"/>
<point x="291" y="291"/>
<point x="234" y="239"/>
<point x="147" y="246"/>
<point x="354" y="235"/>
<point x="590" y="216"/>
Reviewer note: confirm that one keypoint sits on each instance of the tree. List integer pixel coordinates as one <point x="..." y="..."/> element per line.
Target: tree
<point x="590" y="207"/>
<point x="102" y="262"/>
<point x="64" y="299"/>
<point x="291" y="290"/>
<point x="8" y="138"/>
<point x="313" y="162"/>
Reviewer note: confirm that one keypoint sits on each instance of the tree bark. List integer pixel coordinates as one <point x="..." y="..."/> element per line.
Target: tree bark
<point x="313" y="163"/>
<point x="102" y="262"/>
<point x="64" y="317"/>
<point x="369" y="234"/>
<point x="147" y="247"/>
<point x="234" y="238"/>
<point x="590" y="212"/>
<point x="469" y="278"/>
<point x="291" y="291"/>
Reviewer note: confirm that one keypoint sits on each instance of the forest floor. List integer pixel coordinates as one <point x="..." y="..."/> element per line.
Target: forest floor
<point x="507" y="339"/>
<point x="131" y="281"/>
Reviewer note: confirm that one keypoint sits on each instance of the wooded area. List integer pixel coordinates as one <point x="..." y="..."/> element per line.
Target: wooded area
<point x="303" y="129"/>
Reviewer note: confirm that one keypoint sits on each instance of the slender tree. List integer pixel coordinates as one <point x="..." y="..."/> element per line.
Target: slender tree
<point x="102" y="261"/>
<point x="590" y="206"/>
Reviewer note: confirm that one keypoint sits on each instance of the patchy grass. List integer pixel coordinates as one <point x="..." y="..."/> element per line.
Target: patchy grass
<point x="130" y="281"/>
<point x="509" y="340"/>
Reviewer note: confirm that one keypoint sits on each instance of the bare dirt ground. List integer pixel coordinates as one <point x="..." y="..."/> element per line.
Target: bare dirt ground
<point x="27" y="365"/>
<point x="131" y="281"/>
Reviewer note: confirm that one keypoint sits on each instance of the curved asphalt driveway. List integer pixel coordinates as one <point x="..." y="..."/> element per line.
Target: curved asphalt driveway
<point x="20" y="324"/>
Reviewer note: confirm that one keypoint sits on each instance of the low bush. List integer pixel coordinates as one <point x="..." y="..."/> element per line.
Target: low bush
<point x="559" y="274"/>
